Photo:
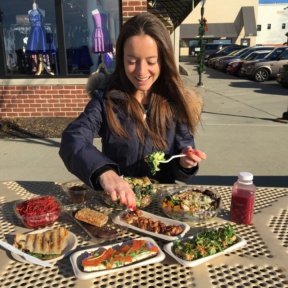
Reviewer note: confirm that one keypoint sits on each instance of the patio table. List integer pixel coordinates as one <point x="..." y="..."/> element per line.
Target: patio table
<point x="262" y="262"/>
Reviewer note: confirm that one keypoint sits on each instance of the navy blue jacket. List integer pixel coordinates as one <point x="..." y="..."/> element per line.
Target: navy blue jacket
<point x="125" y="156"/>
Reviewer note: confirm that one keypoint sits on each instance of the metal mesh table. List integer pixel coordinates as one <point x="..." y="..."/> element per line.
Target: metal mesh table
<point x="261" y="263"/>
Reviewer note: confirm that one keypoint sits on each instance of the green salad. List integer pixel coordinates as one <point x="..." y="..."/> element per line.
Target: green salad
<point x="153" y="160"/>
<point x="205" y="243"/>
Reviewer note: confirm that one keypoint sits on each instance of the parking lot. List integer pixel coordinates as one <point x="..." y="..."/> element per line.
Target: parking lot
<point x="190" y="64"/>
<point x="239" y="130"/>
<point x="257" y="63"/>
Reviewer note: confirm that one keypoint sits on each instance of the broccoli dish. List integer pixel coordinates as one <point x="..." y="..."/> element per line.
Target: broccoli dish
<point x="154" y="159"/>
<point x="205" y="243"/>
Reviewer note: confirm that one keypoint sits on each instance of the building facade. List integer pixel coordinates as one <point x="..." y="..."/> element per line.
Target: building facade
<point x="272" y="24"/>
<point x="227" y="22"/>
<point x="48" y="49"/>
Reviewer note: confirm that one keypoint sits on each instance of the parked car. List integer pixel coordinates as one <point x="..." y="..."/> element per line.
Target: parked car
<point x="212" y="48"/>
<point x="209" y="48"/>
<point x="263" y="69"/>
<point x="221" y="63"/>
<point x="211" y="61"/>
<point x="234" y="67"/>
<point x="282" y="76"/>
<point x="223" y="52"/>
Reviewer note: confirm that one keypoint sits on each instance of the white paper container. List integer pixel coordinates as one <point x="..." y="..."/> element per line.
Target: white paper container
<point x="165" y="220"/>
<point x="168" y="248"/>
<point x="77" y="257"/>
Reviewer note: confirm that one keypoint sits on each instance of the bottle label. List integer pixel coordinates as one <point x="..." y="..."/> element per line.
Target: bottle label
<point x="242" y="209"/>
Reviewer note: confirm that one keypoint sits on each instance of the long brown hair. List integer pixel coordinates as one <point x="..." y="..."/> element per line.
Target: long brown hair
<point x="169" y="99"/>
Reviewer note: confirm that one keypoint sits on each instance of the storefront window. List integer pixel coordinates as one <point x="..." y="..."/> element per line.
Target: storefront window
<point x="29" y="31"/>
<point x="35" y="46"/>
<point x="91" y="30"/>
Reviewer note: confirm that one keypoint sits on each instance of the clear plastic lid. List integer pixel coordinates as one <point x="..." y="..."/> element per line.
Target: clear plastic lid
<point x="245" y="177"/>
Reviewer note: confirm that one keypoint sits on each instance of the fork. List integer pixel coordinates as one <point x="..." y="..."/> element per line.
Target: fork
<point x="26" y="256"/>
<point x="172" y="157"/>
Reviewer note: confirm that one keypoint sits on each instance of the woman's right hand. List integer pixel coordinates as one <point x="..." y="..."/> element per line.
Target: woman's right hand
<point x="117" y="186"/>
<point x="193" y="157"/>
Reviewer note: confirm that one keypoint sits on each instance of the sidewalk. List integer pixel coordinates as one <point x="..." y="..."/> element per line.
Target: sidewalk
<point x="238" y="133"/>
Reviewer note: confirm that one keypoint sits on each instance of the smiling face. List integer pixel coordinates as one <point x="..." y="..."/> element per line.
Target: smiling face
<point x="141" y="62"/>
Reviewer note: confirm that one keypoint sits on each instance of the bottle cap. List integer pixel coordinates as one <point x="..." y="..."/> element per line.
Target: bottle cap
<point x="245" y="176"/>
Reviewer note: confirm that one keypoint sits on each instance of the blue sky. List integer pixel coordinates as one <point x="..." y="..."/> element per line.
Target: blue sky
<point x="272" y="1"/>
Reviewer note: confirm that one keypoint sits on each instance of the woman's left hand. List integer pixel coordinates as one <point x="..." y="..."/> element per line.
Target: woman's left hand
<point x="193" y="157"/>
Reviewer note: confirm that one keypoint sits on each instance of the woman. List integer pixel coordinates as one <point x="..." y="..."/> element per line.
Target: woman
<point x="139" y="108"/>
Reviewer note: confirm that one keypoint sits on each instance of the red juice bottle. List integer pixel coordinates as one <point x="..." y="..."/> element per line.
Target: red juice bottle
<point x="243" y="198"/>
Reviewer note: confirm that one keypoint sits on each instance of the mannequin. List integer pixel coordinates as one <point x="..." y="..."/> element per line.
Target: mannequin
<point x="101" y="41"/>
<point x="102" y="66"/>
<point x="35" y="7"/>
<point x="37" y="41"/>
<point x="99" y="9"/>
<point x="91" y="5"/>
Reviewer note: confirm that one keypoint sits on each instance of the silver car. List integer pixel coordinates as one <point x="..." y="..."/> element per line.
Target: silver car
<point x="222" y="62"/>
<point x="263" y="69"/>
<point x="234" y="67"/>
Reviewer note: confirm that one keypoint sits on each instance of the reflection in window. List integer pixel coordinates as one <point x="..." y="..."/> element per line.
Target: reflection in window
<point x="31" y="36"/>
<point x="91" y="30"/>
<point x="284" y="55"/>
<point x="183" y="43"/>
<point x="29" y="31"/>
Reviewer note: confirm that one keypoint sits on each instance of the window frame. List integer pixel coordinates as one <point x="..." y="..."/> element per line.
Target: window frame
<point x="62" y="57"/>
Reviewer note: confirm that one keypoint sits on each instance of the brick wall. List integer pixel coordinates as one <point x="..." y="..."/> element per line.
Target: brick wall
<point x="132" y="7"/>
<point x="40" y="100"/>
